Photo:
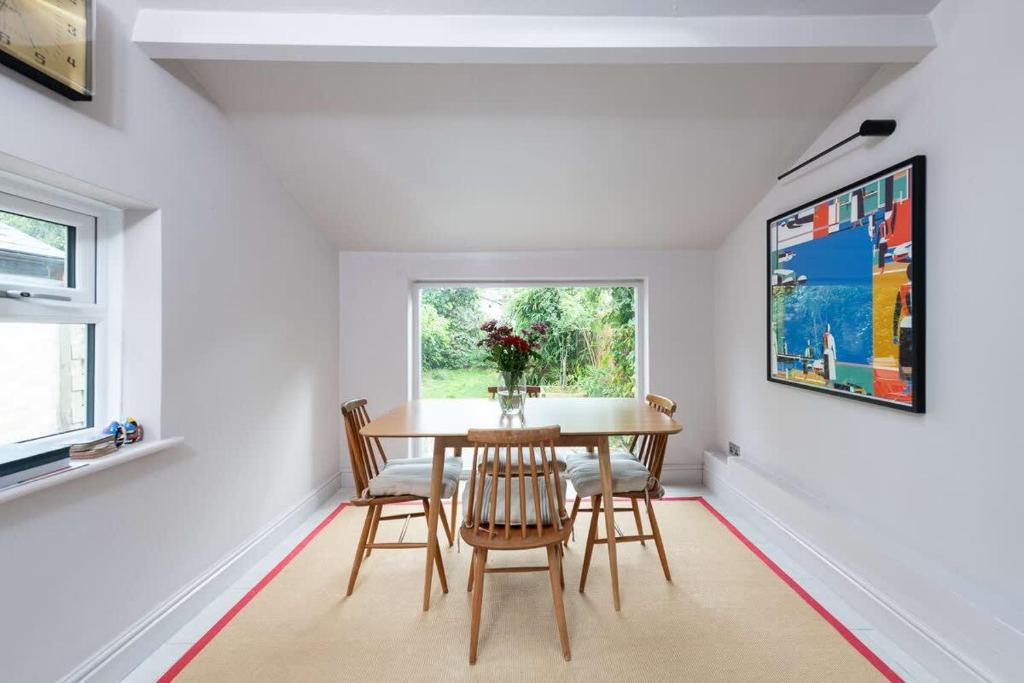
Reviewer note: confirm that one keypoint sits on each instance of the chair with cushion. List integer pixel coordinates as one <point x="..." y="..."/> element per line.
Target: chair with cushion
<point x="381" y="482"/>
<point x="515" y="501"/>
<point x="636" y="475"/>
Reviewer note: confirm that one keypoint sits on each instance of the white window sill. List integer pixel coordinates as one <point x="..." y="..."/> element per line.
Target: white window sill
<point x="82" y="468"/>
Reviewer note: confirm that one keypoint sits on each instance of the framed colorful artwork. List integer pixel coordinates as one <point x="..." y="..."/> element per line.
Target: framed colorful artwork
<point x="846" y="291"/>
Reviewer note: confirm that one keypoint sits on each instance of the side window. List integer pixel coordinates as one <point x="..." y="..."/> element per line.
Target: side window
<point x="49" y="315"/>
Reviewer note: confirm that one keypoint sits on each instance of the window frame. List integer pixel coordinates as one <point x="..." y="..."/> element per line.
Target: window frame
<point x="95" y="300"/>
<point x="81" y="249"/>
<point x="639" y="339"/>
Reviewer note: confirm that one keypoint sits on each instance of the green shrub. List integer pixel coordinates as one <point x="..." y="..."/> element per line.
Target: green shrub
<point x="435" y="332"/>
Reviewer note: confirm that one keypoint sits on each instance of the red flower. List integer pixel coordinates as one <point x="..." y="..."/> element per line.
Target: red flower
<point x="511" y="351"/>
<point x="516" y="341"/>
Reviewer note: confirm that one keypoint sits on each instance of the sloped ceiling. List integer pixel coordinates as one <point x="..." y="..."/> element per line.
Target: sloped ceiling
<point x="420" y="157"/>
<point x="509" y="149"/>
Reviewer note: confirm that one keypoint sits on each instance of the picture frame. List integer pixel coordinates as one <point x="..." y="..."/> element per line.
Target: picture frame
<point x="846" y="290"/>
<point x="51" y="43"/>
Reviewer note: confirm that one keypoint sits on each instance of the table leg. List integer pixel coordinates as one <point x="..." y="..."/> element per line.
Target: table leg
<point x="605" y="461"/>
<point x="432" y="517"/>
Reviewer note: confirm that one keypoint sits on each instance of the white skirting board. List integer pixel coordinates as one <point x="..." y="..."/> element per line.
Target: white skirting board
<point x="682" y="474"/>
<point x="120" y="656"/>
<point x="745" y="486"/>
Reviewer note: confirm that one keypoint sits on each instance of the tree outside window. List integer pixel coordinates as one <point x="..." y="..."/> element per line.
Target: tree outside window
<point x="590" y="349"/>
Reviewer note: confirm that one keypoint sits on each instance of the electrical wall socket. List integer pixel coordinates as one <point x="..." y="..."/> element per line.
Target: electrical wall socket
<point x="734" y="449"/>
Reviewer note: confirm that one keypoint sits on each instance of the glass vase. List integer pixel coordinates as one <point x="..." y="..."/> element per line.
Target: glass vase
<point x="511" y="396"/>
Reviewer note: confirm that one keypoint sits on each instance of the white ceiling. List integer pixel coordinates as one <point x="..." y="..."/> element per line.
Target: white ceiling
<point x="612" y="123"/>
<point x="413" y="157"/>
<point x="679" y="8"/>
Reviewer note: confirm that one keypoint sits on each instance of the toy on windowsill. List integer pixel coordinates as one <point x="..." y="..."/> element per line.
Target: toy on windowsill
<point x="133" y="430"/>
<point x="129" y="432"/>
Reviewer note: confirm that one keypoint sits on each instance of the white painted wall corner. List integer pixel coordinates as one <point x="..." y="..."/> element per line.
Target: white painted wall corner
<point x="744" y="486"/>
<point x="121" y="655"/>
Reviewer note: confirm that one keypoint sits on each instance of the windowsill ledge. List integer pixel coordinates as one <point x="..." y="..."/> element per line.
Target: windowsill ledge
<point x="82" y="468"/>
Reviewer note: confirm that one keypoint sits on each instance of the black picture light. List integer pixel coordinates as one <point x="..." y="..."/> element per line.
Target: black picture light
<point x="870" y="128"/>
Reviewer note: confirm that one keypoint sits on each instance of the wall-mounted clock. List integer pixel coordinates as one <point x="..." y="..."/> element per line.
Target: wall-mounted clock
<point x="50" y="41"/>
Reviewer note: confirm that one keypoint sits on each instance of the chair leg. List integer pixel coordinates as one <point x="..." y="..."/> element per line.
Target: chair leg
<point x="561" y="566"/>
<point x="370" y="514"/>
<point x="444" y="524"/>
<point x="595" y="504"/>
<point x="438" y="562"/>
<point x="572" y="518"/>
<point x="453" y="522"/>
<point x="377" y="509"/>
<point x="639" y="522"/>
<point x="657" y="541"/>
<point x="472" y="567"/>
<point x="440" y="572"/>
<point x="480" y="563"/>
<point x="554" y="570"/>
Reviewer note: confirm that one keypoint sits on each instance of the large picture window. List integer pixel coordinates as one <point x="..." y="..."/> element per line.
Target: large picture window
<point x="591" y="349"/>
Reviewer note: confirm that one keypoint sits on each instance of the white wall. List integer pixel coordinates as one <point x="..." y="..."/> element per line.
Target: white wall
<point x="248" y="356"/>
<point x="925" y="509"/>
<point x="376" y="309"/>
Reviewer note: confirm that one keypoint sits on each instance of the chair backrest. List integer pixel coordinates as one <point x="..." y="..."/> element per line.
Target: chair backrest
<point x="366" y="454"/>
<point x="515" y="466"/>
<point x="532" y="391"/>
<point x="650" y="448"/>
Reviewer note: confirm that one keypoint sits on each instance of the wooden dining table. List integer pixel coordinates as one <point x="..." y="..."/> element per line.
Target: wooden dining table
<point x="584" y="422"/>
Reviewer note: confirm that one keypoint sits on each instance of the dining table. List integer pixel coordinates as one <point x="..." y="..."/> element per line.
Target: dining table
<point x="584" y="422"/>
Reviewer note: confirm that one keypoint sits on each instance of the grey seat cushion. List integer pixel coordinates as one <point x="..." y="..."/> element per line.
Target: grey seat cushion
<point x="411" y="477"/>
<point x="417" y="460"/>
<point x="514" y="512"/>
<point x="579" y="458"/>
<point x="628" y="476"/>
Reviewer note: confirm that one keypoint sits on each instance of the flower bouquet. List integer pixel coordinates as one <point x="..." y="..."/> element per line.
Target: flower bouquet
<point x="511" y="354"/>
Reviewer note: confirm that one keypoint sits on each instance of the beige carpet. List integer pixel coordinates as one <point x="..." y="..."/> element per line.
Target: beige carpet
<point x="727" y="616"/>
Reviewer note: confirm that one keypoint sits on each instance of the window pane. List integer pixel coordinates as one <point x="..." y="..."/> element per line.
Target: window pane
<point x="590" y="349"/>
<point x="34" y="251"/>
<point x="44" y="379"/>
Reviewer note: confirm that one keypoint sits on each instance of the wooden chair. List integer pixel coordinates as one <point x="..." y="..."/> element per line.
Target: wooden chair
<point x="532" y="391"/>
<point x="515" y="501"/>
<point x="400" y="481"/>
<point x="636" y="475"/>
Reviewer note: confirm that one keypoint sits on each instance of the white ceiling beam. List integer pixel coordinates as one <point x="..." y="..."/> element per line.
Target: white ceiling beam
<point x="491" y="39"/>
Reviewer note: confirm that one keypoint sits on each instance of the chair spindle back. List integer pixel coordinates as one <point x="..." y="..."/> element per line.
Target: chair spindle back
<point x="650" y="448"/>
<point x="366" y="455"/>
<point x="520" y="461"/>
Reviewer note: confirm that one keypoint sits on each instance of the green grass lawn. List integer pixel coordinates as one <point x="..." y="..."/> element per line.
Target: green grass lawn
<point x="462" y="383"/>
<point x="473" y="383"/>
